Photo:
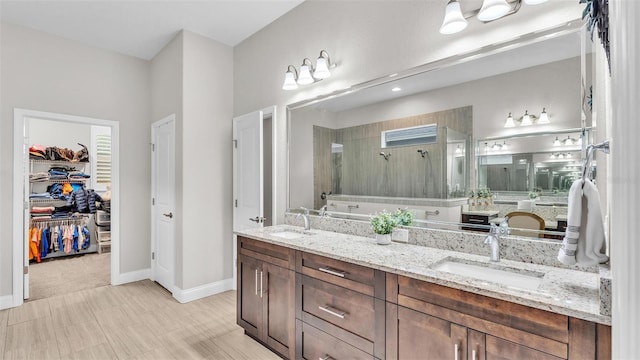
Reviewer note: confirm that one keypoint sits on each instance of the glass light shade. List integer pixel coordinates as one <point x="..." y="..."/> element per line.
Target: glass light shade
<point x="495" y="147"/>
<point x="493" y="9"/>
<point x="458" y="150"/>
<point x="580" y="141"/>
<point x="534" y="2"/>
<point x="505" y="146"/>
<point x="526" y="119"/>
<point x="544" y="117"/>
<point x="322" y="69"/>
<point x="556" y="142"/>
<point x="289" y="81"/>
<point x="509" y="123"/>
<point x="305" y="77"/>
<point x="453" y="21"/>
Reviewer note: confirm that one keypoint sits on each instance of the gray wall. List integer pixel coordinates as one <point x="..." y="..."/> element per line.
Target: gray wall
<point x="47" y="73"/>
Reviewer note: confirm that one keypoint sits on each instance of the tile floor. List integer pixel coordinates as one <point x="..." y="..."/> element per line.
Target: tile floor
<point x="133" y="321"/>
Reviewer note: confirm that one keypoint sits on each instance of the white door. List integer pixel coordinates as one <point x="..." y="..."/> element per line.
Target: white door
<point x="163" y="202"/>
<point x="248" y="185"/>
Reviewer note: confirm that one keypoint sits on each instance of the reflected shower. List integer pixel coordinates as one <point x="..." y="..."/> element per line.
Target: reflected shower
<point x="385" y="156"/>
<point x="423" y="153"/>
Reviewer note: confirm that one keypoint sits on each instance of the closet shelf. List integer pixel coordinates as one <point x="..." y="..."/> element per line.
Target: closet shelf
<point x="60" y="181"/>
<point x="48" y="201"/>
<point x="57" y="162"/>
<point x="49" y="220"/>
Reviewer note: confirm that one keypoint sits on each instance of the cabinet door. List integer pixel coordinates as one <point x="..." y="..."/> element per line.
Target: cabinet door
<point x="278" y="317"/>
<point x="476" y="345"/>
<point x="249" y="303"/>
<point x="421" y="336"/>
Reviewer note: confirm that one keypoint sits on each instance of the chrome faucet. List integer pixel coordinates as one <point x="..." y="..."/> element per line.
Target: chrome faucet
<point x="323" y="211"/>
<point x="493" y="240"/>
<point x="305" y="216"/>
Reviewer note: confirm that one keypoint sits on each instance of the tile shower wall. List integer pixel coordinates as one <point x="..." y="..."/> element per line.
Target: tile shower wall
<point x="405" y="174"/>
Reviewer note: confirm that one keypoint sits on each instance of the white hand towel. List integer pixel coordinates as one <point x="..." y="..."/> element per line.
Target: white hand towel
<point x="567" y="253"/>
<point x="592" y="250"/>
<point x="584" y="241"/>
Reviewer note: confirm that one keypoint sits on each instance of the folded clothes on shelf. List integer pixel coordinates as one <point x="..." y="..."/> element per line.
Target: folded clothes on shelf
<point x="39" y="176"/>
<point x="78" y="175"/>
<point x="44" y="195"/>
<point x="42" y="209"/>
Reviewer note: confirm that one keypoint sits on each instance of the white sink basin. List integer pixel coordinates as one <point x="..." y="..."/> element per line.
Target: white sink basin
<point x="291" y="234"/>
<point x="510" y="277"/>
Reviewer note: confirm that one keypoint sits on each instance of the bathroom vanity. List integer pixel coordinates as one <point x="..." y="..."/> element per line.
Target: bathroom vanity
<point x="325" y="295"/>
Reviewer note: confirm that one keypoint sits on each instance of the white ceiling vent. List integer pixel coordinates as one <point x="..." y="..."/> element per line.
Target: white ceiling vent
<point x="417" y="135"/>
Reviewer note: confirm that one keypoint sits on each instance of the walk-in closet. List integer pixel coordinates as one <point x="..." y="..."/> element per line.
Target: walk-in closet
<point x="68" y="214"/>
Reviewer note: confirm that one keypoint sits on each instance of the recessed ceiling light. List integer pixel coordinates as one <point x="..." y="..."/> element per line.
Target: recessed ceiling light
<point x="396" y="89"/>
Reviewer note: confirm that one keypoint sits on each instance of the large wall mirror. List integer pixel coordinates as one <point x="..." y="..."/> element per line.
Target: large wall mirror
<point x="424" y="138"/>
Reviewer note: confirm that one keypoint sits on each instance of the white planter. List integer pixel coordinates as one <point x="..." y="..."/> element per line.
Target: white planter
<point x="383" y="239"/>
<point x="400" y="235"/>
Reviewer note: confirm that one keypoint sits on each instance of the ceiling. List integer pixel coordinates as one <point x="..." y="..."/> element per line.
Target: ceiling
<point x="143" y="28"/>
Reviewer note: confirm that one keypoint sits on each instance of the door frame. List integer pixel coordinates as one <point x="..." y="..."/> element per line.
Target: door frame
<point x="275" y="147"/>
<point x="20" y="157"/>
<point x="165" y="120"/>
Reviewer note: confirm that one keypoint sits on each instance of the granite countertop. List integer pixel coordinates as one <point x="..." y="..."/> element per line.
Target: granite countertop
<point x="568" y="292"/>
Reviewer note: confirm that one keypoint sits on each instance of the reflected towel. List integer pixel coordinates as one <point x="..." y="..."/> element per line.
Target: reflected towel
<point x="584" y="241"/>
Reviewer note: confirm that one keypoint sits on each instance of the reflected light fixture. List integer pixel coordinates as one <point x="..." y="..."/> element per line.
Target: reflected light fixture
<point x="505" y="146"/>
<point x="322" y="66"/>
<point x="556" y="142"/>
<point x="544" y="117"/>
<point x="458" y="149"/>
<point x="526" y="118"/>
<point x="453" y="21"/>
<point x="509" y="123"/>
<point x="305" y="78"/>
<point x="290" y="78"/>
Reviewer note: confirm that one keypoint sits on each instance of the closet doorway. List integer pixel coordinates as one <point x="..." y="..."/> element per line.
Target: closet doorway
<point x="63" y="238"/>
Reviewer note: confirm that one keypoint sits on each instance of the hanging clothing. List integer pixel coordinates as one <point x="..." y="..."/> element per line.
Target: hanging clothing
<point x="87" y="238"/>
<point x="75" y="238"/>
<point x="44" y="243"/>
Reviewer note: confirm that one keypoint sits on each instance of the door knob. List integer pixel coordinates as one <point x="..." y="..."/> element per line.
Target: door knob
<point x="169" y="215"/>
<point x="258" y="219"/>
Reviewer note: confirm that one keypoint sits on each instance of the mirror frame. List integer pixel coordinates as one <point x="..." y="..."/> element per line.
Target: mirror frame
<point x="567" y="28"/>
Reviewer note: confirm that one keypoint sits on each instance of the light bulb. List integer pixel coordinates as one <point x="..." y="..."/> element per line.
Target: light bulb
<point x="509" y="123"/>
<point x="526" y="119"/>
<point x="305" y="77"/>
<point x="289" y="81"/>
<point x="493" y="9"/>
<point x="453" y="21"/>
<point x="544" y="117"/>
<point x="322" y="68"/>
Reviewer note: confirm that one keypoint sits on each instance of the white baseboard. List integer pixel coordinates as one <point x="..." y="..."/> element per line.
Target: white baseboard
<point x="199" y="292"/>
<point x="133" y="276"/>
<point x="6" y="301"/>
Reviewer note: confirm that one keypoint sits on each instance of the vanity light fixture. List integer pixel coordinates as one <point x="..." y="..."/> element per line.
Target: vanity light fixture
<point x="556" y="142"/>
<point x="290" y="78"/>
<point x="308" y="74"/>
<point x="455" y="20"/>
<point x="505" y="147"/>
<point x="459" y="149"/>
<point x="527" y="119"/>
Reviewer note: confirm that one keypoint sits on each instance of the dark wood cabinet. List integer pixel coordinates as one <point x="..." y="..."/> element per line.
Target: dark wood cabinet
<point x="265" y="306"/>
<point x="307" y="306"/>
<point x="491" y="328"/>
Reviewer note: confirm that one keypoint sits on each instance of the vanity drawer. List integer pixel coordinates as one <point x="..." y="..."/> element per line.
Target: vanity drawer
<point x="339" y="306"/>
<point x="274" y="254"/>
<point x="351" y="276"/>
<point x="476" y="220"/>
<point x="314" y="344"/>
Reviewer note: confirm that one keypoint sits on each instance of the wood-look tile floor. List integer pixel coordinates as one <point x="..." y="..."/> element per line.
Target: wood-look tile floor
<point x="133" y="321"/>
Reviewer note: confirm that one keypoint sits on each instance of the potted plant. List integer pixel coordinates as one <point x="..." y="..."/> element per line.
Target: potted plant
<point x="383" y="224"/>
<point x="403" y="217"/>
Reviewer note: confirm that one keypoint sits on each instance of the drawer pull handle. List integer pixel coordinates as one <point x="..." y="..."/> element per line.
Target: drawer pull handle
<point x="473" y="355"/>
<point x="326" y="357"/>
<point x="256" y="282"/>
<point x="333" y="311"/>
<point x="261" y="284"/>
<point x="476" y="221"/>
<point x="456" y="354"/>
<point x="333" y="272"/>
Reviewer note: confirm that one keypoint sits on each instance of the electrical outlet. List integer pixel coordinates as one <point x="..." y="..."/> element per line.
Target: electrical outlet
<point x="400" y="235"/>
